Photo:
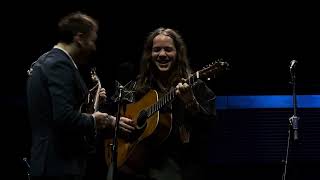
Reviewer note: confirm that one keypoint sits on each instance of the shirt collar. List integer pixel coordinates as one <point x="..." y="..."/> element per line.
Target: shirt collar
<point x="57" y="47"/>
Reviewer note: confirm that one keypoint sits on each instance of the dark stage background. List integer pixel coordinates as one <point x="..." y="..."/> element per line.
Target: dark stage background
<point x="257" y="39"/>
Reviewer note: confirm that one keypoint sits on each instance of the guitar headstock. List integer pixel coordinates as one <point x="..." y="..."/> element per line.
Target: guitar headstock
<point x="211" y="70"/>
<point x="94" y="76"/>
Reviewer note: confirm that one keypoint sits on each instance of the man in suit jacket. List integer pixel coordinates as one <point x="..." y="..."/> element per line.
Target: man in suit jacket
<point x="55" y="94"/>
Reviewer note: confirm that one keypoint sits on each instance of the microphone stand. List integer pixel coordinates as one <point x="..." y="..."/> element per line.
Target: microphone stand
<point x="293" y="120"/>
<point x="113" y="171"/>
<point x="27" y="166"/>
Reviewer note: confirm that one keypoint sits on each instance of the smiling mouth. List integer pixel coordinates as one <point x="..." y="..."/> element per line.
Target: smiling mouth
<point x="163" y="61"/>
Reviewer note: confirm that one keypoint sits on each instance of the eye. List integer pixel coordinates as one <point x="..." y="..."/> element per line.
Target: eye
<point x="168" y="49"/>
<point x="156" y="49"/>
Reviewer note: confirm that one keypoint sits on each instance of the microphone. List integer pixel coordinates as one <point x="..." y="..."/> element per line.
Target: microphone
<point x="121" y="87"/>
<point x="126" y="90"/>
<point x="293" y="64"/>
<point x="294" y="122"/>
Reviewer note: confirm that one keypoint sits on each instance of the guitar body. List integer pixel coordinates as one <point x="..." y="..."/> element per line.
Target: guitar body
<point x="132" y="150"/>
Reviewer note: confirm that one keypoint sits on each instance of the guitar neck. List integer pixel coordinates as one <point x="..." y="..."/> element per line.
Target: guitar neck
<point x="96" y="98"/>
<point x="168" y="97"/>
<point x="96" y="79"/>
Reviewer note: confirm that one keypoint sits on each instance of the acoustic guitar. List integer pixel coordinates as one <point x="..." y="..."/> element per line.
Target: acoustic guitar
<point x="150" y="129"/>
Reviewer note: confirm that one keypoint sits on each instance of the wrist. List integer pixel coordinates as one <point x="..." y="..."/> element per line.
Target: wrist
<point x="110" y="120"/>
<point x="193" y="104"/>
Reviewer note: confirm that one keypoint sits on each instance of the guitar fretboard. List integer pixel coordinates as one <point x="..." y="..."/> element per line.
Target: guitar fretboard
<point x="168" y="97"/>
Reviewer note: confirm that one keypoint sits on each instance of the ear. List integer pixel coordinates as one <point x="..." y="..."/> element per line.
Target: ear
<point x="78" y="39"/>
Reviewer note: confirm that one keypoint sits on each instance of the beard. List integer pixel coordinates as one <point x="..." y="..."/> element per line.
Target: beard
<point x="85" y="57"/>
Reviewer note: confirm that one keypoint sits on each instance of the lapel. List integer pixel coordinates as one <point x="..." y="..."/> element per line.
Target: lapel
<point x="81" y="90"/>
<point x="82" y="87"/>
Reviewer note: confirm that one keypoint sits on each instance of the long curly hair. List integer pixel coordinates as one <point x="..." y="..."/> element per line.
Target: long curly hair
<point x="180" y="68"/>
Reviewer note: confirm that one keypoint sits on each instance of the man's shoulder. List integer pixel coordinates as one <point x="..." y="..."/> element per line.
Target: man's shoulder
<point x="49" y="61"/>
<point x="55" y="54"/>
<point x="52" y="58"/>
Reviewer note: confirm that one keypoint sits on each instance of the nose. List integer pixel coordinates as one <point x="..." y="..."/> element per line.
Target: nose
<point x="162" y="53"/>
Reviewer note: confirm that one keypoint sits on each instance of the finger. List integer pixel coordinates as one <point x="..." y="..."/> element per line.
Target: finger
<point x="125" y="129"/>
<point x="183" y="80"/>
<point x="182" y="88"/>
<point x="126" y="126"/>
<point x="179" y="87"/>
<point x="102" y="92"/>
<point x="178" y="92"/>
<point x="127" y="120"/>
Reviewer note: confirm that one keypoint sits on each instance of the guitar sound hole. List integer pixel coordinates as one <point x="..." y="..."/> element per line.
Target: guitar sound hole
<point x="142" y="119"/>
<point x="141" y="125"/>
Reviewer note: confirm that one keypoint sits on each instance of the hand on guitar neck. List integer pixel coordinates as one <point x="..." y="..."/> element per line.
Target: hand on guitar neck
<point x="102" y="96"/>
<point x="184" y="92"/>
<point x="95" y="101"/>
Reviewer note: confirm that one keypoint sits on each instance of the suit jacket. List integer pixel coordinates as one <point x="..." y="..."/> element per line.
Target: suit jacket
<point x="55" y="94"/>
